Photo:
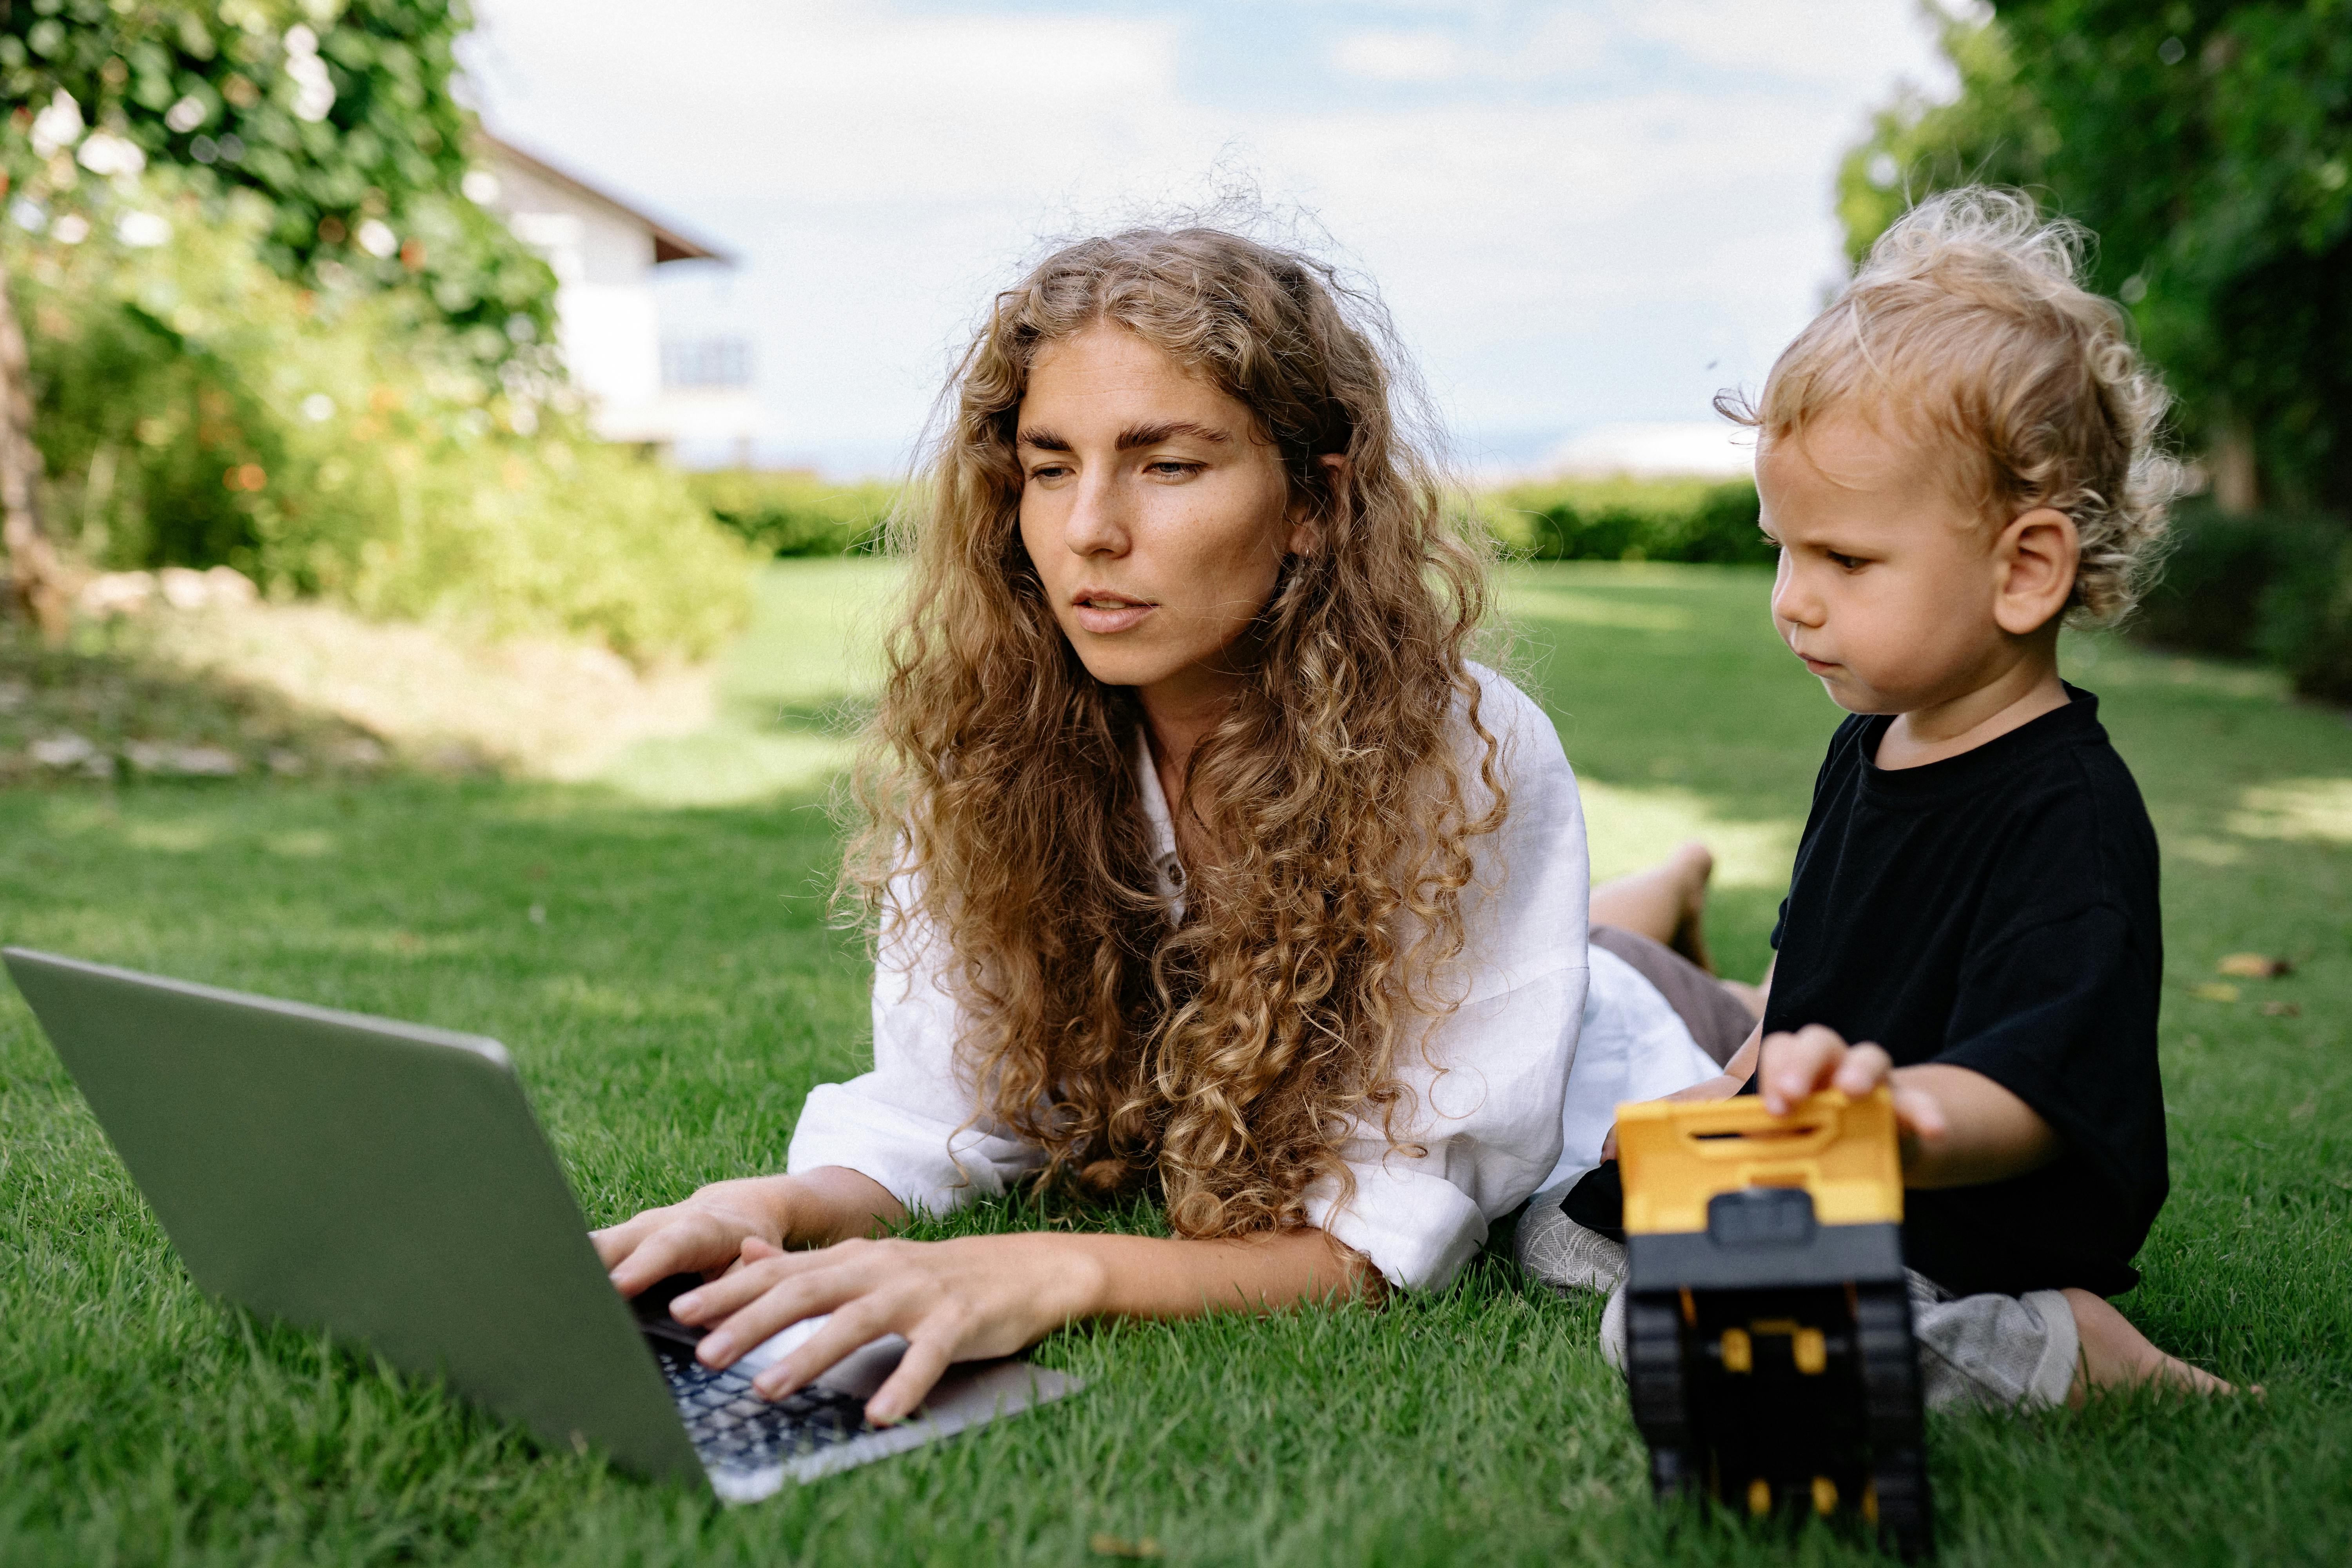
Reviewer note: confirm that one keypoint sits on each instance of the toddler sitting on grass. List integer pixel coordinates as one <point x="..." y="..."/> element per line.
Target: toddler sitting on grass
<point x="1955" y="458"/>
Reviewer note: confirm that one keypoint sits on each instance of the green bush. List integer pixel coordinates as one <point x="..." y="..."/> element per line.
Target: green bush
<point x="2209" y="597"/>
<point x="797" y="513"/>
<point x="1630" y="519"/>
<point x="2272" y="586"/>
<point x="2306" y="614"/>
<point x="195" y="408"/>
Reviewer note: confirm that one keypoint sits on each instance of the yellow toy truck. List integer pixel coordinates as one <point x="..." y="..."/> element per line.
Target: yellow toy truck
<point x="1768" y="1349"/>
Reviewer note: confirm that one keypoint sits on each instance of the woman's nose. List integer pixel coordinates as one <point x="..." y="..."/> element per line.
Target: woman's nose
<point x="1098" y="520"/>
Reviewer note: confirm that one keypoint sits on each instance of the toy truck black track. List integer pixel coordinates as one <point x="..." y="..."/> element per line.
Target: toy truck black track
<point x="1769" y="1350"/>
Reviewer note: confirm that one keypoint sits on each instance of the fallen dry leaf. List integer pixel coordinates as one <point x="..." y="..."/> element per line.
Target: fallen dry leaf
<point x="2281" y="1010"/>
<point x="1104" y="1544"/>
<point x="2255" y="966"/>
<point x="2213" y="991"/>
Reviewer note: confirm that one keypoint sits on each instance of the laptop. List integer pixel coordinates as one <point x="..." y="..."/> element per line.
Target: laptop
<point x="388" y="1182"/>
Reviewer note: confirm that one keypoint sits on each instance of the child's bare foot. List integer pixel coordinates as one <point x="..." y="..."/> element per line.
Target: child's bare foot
<point x="1692" y="865"/>
<point x="2116" y="1355"/>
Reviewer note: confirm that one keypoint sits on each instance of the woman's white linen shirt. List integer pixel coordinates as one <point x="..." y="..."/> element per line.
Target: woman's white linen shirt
<point x="1486" y="1081"/>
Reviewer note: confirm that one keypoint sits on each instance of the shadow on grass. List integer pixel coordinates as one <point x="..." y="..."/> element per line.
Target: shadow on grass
<point x="103" y="707"/>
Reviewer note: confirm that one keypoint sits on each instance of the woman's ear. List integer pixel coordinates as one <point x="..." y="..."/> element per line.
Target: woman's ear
<point x="1306" y="527"/>
<point x="2035" y="559"/>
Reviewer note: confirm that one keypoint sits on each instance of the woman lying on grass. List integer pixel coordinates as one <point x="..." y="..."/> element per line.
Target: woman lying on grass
<point x="1201" y="859"/>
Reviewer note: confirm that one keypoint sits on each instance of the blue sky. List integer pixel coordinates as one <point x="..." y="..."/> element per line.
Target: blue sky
<point x="1581" y="213"/>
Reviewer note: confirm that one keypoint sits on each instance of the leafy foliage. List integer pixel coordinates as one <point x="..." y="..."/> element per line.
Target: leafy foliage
<point x="2275" y="585"/>
<point x="797" y="513"/>
<point x="270" y="328"/>
<point x="196" y="408"/>
<point x="1993" y="134"/>
<point x="2209" y="144"/>
<point x="337" y="114"/>
<point x="1630" y="519"/>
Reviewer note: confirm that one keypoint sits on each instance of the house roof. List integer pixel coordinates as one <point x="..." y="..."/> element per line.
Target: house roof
<point x="670" y="244"/>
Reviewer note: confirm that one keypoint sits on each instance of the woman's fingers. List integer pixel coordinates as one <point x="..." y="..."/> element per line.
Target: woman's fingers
<point x="616" y="1242"/>
<point x="714" y="1300"/>
<point x="851" y="1327"/>
<point x="792" y="1291"/>
<point x="951" y="1301"/>
<point x="689" y="1242"/>
<point x="758" y="1270"/>
<point x="704" y="1235"/>
<point x="926" y="1361"/>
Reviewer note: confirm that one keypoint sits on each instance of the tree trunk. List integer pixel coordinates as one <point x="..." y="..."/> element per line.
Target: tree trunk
<point x="2236" y="473"/>
<point x="36" y="586"/>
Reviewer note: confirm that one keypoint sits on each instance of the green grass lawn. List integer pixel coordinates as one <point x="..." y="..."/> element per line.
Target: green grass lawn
<point x="655" y="950"/>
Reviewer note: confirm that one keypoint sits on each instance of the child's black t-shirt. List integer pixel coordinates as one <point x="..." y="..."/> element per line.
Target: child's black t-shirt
<point x="1997" y="910"/>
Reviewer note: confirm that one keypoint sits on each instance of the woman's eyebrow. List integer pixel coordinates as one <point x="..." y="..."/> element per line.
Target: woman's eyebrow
<point x="1135" y="436"/>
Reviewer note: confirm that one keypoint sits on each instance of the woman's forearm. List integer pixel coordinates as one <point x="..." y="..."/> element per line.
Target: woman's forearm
<point x="830" y="1204"/>
<point x="982" y="1296"/>
<point x="1103" y="1276"/>
<point x="1107" y="1276"/>
<point x="1150" y="1277"/>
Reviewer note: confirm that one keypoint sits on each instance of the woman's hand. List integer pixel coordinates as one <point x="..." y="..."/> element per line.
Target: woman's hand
<point x="966" y="1299"/>
<point x="985" y="1296"/>
<point x="706" y="1233"/>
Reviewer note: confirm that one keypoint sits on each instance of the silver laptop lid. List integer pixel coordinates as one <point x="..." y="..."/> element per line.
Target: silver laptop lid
<point x="383" y="1180"/>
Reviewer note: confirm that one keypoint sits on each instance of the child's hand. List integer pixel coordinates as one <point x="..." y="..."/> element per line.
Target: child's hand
<point x="1816" y="1057"/>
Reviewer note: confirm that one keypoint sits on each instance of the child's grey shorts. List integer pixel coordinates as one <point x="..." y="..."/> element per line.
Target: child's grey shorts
<point x="1990" y="1349"/>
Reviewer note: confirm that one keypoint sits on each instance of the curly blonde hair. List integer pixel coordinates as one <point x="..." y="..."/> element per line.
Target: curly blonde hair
<point x="1220" y="1058"/>
<point x="1968" y="324"/>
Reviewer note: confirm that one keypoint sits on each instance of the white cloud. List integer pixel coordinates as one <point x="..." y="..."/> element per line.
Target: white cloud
<point x="1848" y="43"/>
<point x="1604" y="210"/>
<point x="1401" y="57"/>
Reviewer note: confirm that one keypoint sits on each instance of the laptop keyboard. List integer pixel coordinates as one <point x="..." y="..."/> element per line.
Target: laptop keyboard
<point x="733" y="1428"/>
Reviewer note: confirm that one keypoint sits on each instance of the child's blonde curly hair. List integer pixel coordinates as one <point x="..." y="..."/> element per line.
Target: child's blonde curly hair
<point x="1968" y="326"/>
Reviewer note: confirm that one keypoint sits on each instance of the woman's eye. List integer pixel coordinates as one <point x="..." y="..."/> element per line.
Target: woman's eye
<point x="1172" y="468"/>
<point x="1048" y="471"/>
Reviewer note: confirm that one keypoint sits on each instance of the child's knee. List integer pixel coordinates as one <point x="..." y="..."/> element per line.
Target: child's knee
<point x="2003" y="1352"/>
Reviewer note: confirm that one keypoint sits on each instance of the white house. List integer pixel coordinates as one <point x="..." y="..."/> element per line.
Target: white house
<point x="604" y="252"/>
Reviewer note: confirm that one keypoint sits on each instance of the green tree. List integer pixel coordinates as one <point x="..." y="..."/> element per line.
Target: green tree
<point x="2209" y="144"/>
<point x="1992" y="133"/>
<point x="337" y="114"/>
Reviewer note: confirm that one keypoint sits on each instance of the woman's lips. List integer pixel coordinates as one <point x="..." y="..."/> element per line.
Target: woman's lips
<point x="1103" y="614"/>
